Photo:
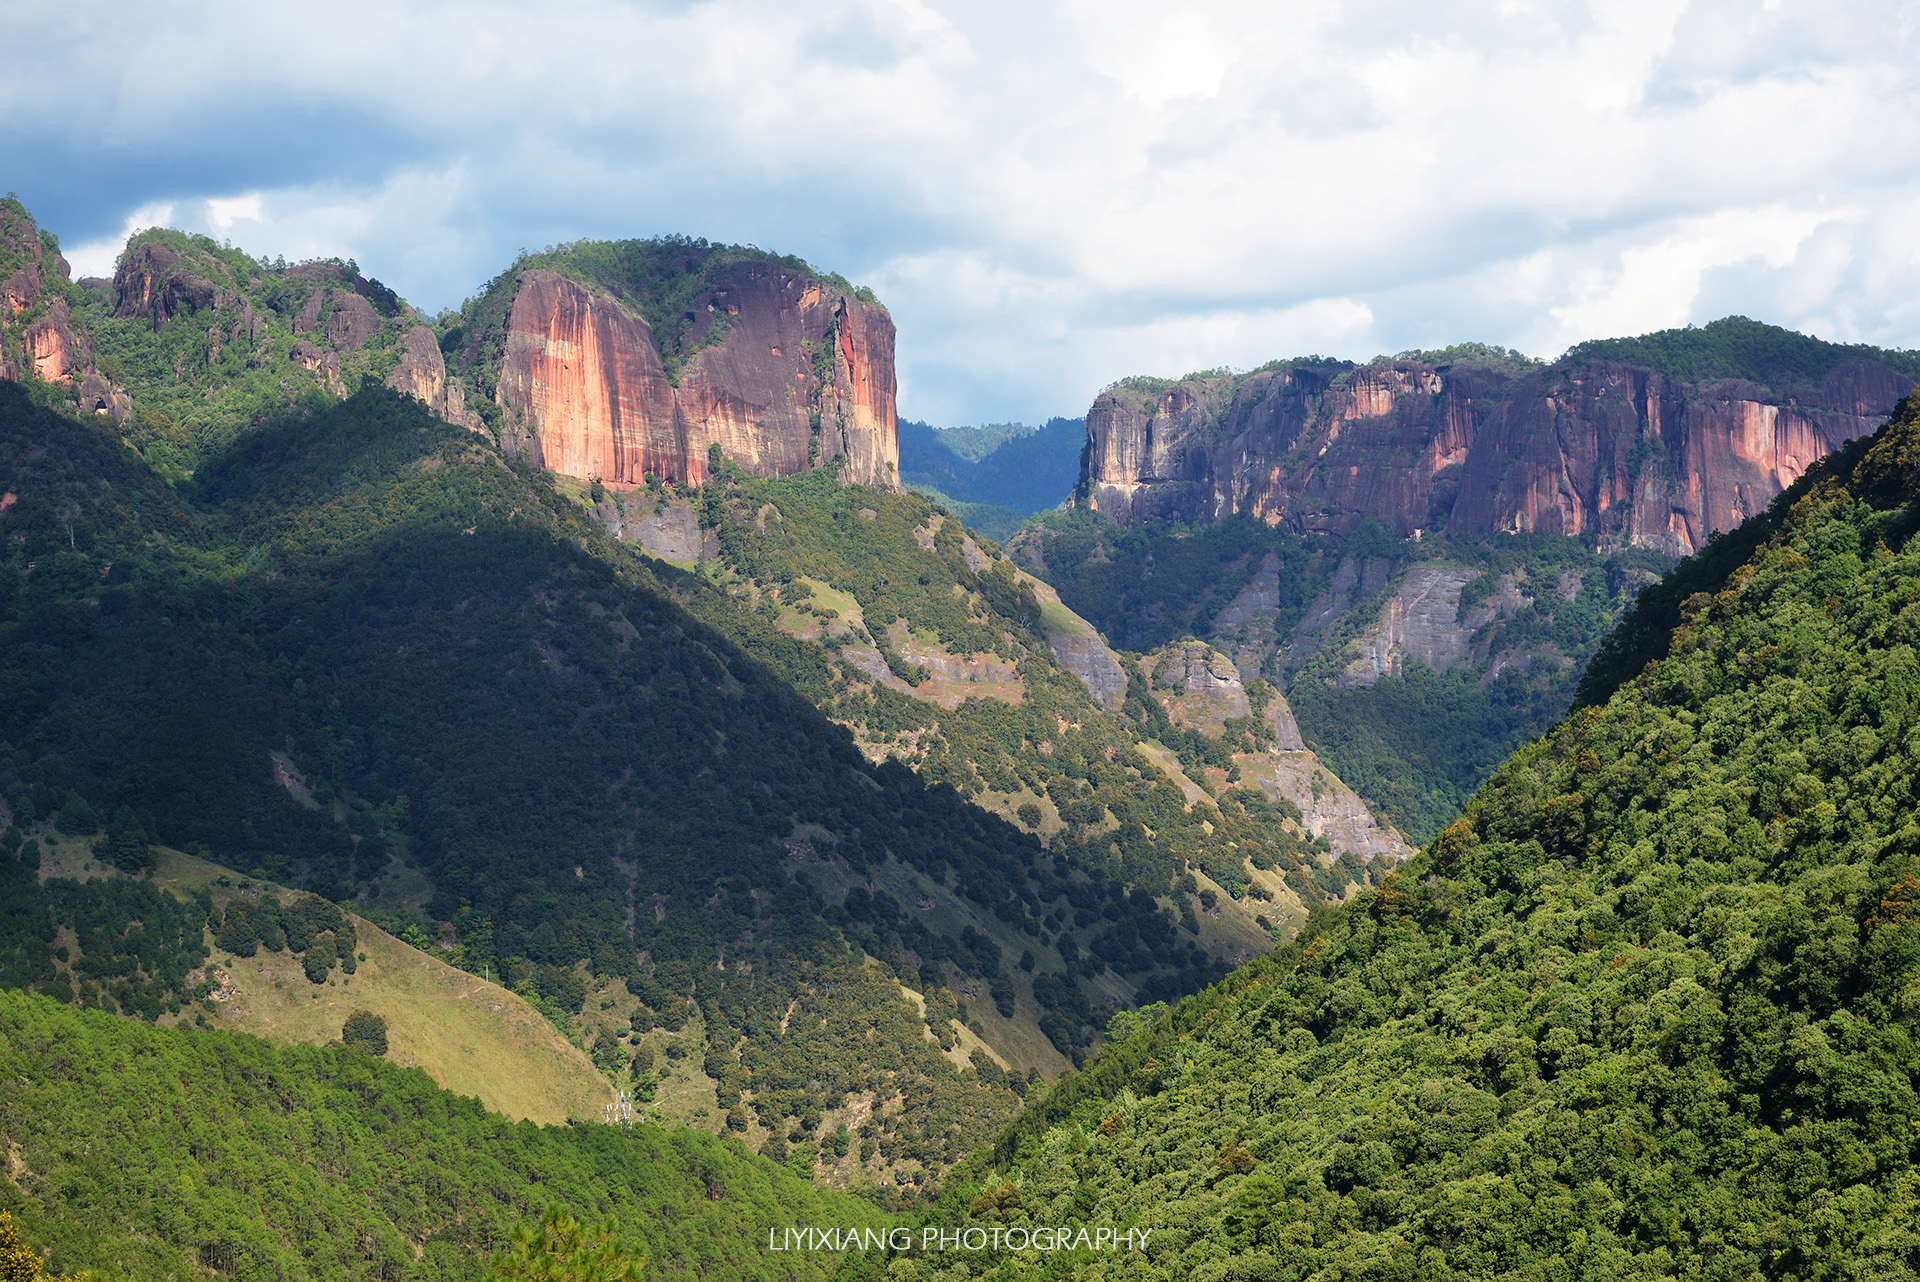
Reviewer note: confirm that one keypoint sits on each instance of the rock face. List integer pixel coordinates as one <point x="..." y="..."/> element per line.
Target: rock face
<point x="39" y="336"/>
<point x="1423" y="620"/>
<point x="785" y="373"/>
<point x="1200" y="688"/>
<point x="1079" y="646"/>
<point x="422" y="374"/>
<point x="151" y="282"/>
<point x="1581" y="446"/>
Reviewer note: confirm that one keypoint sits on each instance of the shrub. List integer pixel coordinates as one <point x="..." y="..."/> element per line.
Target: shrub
<point x="317" y="963"/>
<point x="365" y="1030"/>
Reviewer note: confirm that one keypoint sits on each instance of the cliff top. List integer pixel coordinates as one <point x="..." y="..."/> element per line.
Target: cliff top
<point x="1731" y="348"/>
<point x="657" y="277"/>
<point x="1735" y="347"/>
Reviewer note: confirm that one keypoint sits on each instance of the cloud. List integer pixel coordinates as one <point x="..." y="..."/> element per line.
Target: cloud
<point x="96" y="257"/>
<point x="1049" y="194"/>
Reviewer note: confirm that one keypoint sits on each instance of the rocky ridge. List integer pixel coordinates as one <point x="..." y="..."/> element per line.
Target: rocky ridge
<point x="1480" y="443"/>
<point x="39" y="337"/>
<point x="1201" y="688"/>
<point x="778" y="368"/>
<point x="587" y="372"/>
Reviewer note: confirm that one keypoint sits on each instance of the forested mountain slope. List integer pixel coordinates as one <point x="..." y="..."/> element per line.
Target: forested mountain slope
<point x="1646" y="1009"/>
<point x="1413" y="667"/>
<point x="936" y="651"/>
<point x="147" y="1153"/>
<point x="994" y="476"/>
<point x="339" y="644"/>
<point x="364" y="654"/>
<point x="602" y="793"/>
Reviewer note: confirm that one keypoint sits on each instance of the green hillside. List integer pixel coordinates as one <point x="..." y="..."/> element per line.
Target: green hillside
<point x="932" y="648"/>
<point x="1000" y="473"/>
<point x="1646" y="1010"/>
<point x="1736" y="347"/>
<point x="363" y="655"/>
<point x="150" y="1153"/>
<point x="1415" y="744"/>
<point x="492" y="703"/>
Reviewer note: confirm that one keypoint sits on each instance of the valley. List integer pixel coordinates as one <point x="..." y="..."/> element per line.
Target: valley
<point x="1280" y="809"/>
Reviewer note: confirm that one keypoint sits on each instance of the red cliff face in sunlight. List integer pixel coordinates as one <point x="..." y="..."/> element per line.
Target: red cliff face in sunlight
<point x="784" y="372"/>
<point x="1571" y="448"/>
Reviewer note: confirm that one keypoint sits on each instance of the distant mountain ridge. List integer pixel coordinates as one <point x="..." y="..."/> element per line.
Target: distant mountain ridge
<point x="1655" y="442"/>
<point x="1026" y="471"/>
<point x="608" y="361"/>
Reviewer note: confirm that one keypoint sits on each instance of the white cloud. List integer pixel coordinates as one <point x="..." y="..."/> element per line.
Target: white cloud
<point x="96" y="257"/>
<point x="1053" y="193"/>
<point x="224" y="213"/>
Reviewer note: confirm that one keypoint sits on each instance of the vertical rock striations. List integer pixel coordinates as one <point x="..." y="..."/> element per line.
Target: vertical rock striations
<point x="779" y="369"/>
<point x="1587" y="445"/>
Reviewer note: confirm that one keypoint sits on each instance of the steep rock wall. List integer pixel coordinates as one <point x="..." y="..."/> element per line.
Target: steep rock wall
<point x="785" y="374"/>
<point x="39" y="336"/>
<point x="1577" y="447"/>
<point x="422" y="374"/>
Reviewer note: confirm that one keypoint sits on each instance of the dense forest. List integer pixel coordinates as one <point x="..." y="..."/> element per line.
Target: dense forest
<point x="1735" y="347"/>
<point x="151" y="1153"/>
<point x="1645" y="1009"/>
<point x="474" y="682"/>
<point x="994" y="477"/>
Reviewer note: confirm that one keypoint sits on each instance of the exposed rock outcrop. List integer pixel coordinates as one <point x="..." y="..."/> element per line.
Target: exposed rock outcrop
<point x="422" y="374"/>
<point x="151" y="281"/>
<point x="1423" y="620"/>
<point x="351" y="322"/>
<point x="1581" y="446"/>
<point x="785" y="373"/>
<point x="1200" y="688"/>
<point x="1078" y="645"/>
<point x="1207" y="685"/>
<point x="39" y="335"/>
<point x="1328" y="807"/>
<point x="672" y="532"/>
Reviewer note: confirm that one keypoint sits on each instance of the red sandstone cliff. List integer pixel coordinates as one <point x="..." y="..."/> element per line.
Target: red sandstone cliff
<point x="38" y="334"/>
<point x="1570" y="448"/>
<point x="785" y="372"/>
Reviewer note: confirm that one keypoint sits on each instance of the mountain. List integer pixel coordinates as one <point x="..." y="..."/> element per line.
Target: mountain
<point x="151" y="1153"/>
<point x="938" y="653"/>
<point x="366" y="653"/>
<point x="1412" y="668"/>
<point x="1424" y="553"/>
<point x="627" y="359"/>
<point x="1646" y="1008"/>
<point x="372" y="660"/>
<point x="603" y="360"/>
<point x="1009" y="465"/>
<point x="297" y="603"/>
<point x="1655" y="442"/>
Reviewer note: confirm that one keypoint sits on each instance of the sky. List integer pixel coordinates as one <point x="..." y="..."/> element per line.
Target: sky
<point x="1049" y="195"/>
